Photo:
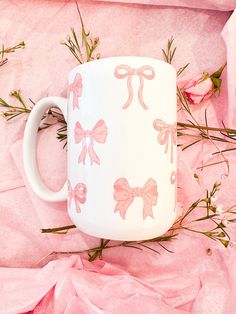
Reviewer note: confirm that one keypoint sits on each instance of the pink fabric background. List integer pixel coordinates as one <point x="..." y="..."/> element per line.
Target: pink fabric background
<point x="224" y="5"/>
<point x="188" y="281"/>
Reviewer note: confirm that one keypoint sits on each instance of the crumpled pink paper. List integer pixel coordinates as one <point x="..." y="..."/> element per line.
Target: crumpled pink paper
<point x="187" y="281"/>
<point x="224" y="5"/>
<point x="73" y="285"/>
<point x="228" y="33"/>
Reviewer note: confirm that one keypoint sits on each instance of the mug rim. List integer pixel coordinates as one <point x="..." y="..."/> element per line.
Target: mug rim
<point x="118" y="57"/>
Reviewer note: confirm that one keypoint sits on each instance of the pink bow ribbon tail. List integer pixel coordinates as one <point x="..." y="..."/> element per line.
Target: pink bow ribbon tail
<point x="167" y="133"/>
<point x="98" y="134"/>
<point x="130" y="93"/>
<point x="143" y="73"/>
<point x="92" y="154"/>
<point x="76" y="89"/>
<point x="75" y="101"/>
<point x="83" y="154"/>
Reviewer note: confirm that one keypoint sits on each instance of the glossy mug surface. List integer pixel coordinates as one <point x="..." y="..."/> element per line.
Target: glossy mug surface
<point x="121" y="120"/>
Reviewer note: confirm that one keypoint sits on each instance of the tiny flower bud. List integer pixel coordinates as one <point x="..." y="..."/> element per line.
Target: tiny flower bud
<point x="214" y="198"/>
<point x="209" y="252"/>
<point x="219" y="209"/>
<point x="221" y="235"/>
<point x="22" y="44"/>
<point x="212" y="208"/>
<point x="217" y="185"/>
<point x="13" y="93"/>
<point x="96" y="41"/>
<point x="225" y="222"/>
<point x="225" y="242"/>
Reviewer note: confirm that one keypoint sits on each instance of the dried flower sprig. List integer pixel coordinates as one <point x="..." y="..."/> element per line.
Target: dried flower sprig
<point x="204" y="133"/>
<point x="83" y="52"/>
<point x="59" y="119"/>
<point x="96" y="252"/>
<point x="225" y="134"/>
<point x="4" y="51"/>
<point x="62" y="132"/>
<point x="12" y="111"/>
<point x="213" y="214"/>
<point x="169" y="54"/>
<point x="59" y="230"/>
<point x="209" y="221"/>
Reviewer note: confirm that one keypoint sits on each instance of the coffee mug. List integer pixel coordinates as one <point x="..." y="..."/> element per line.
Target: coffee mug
<point x="121" y="147"/>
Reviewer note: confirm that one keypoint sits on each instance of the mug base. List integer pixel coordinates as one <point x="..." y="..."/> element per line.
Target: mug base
<point x="126" y="234"/>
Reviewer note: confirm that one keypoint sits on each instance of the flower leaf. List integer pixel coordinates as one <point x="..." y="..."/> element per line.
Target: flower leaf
<point x="217" y="73"/>
<point x="225" y="242"/>
<point x="217" y="82"/>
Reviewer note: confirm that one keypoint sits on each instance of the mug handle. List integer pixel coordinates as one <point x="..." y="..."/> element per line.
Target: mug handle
<point x="29" y="149"/>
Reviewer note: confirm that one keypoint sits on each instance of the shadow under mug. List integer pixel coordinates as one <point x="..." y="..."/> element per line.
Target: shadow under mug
<point x="121" y="145"/>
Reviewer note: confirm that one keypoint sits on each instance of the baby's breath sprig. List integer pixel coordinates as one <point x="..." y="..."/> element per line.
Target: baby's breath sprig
<point x="218" y="218"/>
<point x="83" y="52"/>
<point x="59" y="119"/>
<point x="4" y="51"/>
<point x="205" y="210"/>
<point x="12" y="111"/>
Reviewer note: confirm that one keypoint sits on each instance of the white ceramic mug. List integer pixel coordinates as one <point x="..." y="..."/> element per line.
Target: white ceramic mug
<point x="121" y="120"/>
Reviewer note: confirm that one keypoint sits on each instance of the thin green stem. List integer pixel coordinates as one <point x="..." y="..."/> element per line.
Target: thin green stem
<point x="208" y="128"/>
<point x="52" y="230"/>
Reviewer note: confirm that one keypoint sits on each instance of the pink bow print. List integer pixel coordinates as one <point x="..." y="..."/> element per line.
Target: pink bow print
<point x="123" y="71"/>
<point x="124" y="194"/>
<point x="76" y="89"/>
<point x="98" y="134"/>
<point x="78" y="195"/>
<point x="167" y="132"/>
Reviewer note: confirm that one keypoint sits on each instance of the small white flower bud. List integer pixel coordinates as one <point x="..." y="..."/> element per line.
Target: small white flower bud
<point x="219" y="209"/>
